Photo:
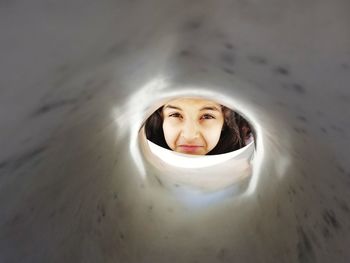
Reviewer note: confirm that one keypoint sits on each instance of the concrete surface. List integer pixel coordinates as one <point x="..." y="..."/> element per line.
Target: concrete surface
<point x="79" y="77"/>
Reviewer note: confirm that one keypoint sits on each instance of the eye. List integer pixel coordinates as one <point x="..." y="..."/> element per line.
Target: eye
<point x="207" y="117"/>
<point x="175" y="115"/>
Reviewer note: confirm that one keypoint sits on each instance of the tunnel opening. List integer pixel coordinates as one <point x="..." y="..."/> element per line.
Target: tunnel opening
<point x="199" y="143"/>
<point x="198" y="126"/>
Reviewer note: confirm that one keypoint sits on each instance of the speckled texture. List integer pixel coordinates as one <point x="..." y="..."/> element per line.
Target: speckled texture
<point x="70" y="190"/>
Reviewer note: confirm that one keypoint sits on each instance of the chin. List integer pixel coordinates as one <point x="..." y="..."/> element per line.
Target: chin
<point x="192" y="152"/>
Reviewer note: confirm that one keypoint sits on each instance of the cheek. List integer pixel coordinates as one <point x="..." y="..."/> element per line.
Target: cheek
<point x="212" y="136"/>
<point x="170" y="133"/>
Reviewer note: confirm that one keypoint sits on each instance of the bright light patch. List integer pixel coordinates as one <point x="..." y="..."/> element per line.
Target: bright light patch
<point x="257" y="162"/>
<point x="131" y="116"/>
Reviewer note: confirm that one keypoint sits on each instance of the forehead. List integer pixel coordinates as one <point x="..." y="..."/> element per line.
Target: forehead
<point x="193" y="103"/>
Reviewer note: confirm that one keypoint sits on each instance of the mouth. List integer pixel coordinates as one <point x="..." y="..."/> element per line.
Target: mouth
<point x="190" y="148"/>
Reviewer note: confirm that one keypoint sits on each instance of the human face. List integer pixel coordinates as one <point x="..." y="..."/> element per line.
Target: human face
<point x="191" y="125"/>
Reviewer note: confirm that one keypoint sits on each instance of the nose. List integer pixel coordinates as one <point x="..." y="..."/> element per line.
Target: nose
<point x="190" y="130"/>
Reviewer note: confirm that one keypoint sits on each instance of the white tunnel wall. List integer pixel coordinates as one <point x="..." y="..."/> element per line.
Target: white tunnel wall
<point x="79" y="77"/>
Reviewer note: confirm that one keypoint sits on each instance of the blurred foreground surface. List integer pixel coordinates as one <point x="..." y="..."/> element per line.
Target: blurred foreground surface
<point x="70" y="187"/>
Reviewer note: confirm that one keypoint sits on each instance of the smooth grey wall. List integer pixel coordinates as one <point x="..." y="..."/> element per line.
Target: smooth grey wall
<point x="73" y="84"/>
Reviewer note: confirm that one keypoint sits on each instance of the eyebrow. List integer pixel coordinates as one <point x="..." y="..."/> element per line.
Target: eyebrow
<point x="172" y="107"/>
<point x="213" y="108"/>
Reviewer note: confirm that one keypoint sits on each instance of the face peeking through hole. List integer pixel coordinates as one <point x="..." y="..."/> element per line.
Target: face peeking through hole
<point x="192" y="125"/>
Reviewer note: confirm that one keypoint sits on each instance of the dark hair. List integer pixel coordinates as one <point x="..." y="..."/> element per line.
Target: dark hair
<point x="231" y="138"/>
<point x="245" y="130"/>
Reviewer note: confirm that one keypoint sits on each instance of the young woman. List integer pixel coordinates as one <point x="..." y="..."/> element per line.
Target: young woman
<point x="197" y="126"/>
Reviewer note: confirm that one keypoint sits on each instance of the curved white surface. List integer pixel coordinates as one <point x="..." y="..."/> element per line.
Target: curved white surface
<point x="200" y="173"/>
<point x="196" y="161"/>
<point x="78" y="78"/>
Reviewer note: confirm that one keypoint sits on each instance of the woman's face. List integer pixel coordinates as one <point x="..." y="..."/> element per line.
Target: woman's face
<point x="192" y="126"/>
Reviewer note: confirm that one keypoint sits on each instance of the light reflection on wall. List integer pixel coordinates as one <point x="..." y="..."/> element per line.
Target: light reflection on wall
<point x="131" y="116"/>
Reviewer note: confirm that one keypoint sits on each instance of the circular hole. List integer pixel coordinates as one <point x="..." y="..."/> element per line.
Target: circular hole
<point x="190" y="139"/>
<point x="198" y="126"/>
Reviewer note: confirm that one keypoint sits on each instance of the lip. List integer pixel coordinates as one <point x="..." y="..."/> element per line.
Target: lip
<point x="190" y="148"/>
